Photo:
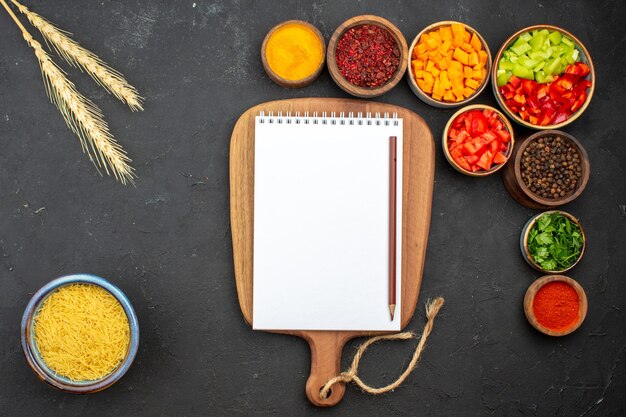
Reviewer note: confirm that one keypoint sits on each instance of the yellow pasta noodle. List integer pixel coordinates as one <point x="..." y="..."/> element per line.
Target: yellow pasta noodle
<point x="82" y="332"/>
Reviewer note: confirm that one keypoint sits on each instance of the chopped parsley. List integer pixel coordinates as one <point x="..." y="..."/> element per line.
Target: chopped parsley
<point x="555" y="242"/>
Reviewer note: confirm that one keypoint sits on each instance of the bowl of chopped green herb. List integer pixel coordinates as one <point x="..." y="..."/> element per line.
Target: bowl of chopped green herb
<point x="553" y="241"/>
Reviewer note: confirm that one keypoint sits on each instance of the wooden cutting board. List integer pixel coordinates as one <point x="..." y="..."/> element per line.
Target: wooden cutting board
<point x="418" y="170"/>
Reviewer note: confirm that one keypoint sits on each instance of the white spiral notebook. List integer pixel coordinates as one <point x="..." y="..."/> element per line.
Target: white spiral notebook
<point x="321" y="222"/>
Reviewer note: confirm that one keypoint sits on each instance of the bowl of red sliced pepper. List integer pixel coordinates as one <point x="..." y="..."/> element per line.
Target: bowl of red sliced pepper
<point x="543" y="77"/>
<point x="478" y="140"/>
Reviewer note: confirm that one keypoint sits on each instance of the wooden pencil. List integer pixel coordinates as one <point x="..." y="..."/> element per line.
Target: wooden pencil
<point x="392" y="224"/>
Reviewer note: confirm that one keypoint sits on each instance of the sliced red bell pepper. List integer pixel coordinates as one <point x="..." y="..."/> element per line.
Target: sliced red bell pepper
<point x="515" y="81"/>
<point x="491" y="116"/>
<point x="458" y="122"/>
<point x="528" y="86"/>
<point x="523" y="114"/>
<point x="463" y="163"/>
<point x="542" y="91"/>
<point x="476" y="137"/>
<point x="475" y="146"/>
<point x="456" y="153"/>
<point x="467" y="122"/>
<point x="489" y="136"/>
<point x="508" y="94"/>
<point x="564" y="84"/>
<point x="471" y="159"/>
<point x="579" y="102"/>
<point x="479" y="123"/>
<point x="519" y="99"/>
<point x="585" y="70"/>
<point x="533" y="102"/>
<point x="549" y="103"/>
<point x="470" y="148"/>
<point x="561" y="116"/>
<point x="494" y="146"/>
<point x="462" y="136"/>
<point x="505" y="136"/>
<point x="485" y="160"/>
<point x="499" y="158"/>
<point x="547" y="116"/>
<point x="573" y="69"/>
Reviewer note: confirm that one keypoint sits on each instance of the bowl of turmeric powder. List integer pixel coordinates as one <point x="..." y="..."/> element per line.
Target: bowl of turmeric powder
<point x="450" y="64"/>
<point x="80" y="333"/>
<point x="293" y="53"/>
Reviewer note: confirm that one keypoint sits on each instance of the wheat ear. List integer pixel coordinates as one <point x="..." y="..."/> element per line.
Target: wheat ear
<point x="81" y="115"/>
<point x="76" y="55"/>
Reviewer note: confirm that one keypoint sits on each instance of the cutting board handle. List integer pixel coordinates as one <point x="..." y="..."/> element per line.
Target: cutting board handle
<point x="326" y="350"/>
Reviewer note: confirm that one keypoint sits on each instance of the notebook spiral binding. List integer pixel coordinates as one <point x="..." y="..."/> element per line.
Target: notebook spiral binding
<point x="324" y="118"/>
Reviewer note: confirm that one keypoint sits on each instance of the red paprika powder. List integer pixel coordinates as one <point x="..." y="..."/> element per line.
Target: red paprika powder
<point x="367" y="55"/>
<point x="556" y="305"/>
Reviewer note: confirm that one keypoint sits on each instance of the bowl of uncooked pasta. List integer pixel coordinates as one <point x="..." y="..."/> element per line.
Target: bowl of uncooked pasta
<point x="80" y="333"/>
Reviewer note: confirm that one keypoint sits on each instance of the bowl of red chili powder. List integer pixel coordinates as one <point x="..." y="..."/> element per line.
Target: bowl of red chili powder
<point x="555" y="305"/>
<point x="367" y="56"/>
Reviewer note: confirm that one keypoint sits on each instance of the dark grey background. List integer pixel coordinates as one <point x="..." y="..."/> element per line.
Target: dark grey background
<point x="167" y="242"/>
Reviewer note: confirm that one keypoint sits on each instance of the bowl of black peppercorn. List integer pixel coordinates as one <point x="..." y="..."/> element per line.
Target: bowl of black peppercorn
<point x="549" y="169"/>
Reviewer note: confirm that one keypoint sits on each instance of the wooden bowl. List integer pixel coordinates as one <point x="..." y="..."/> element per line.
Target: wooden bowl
<point x="530" y="298"/>
<point x="283" y="81"/>
<point x="523" y="241"/>
<point x="345" y="85"/>
<point x="446" y="151"/>
<point x="584" y="57"/>
<point x="444" y="104"/>
<point x="514" y="184"/>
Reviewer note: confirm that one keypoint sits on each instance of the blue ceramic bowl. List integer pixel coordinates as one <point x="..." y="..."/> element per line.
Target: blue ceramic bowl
<point x="34" y="357"/>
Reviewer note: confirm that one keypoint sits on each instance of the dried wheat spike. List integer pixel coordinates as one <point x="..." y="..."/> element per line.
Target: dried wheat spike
<point x="83" y="117"/>
<point x="78" y="56"/>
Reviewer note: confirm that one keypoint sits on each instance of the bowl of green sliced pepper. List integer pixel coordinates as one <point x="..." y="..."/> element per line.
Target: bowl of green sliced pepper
<point x="553" y="242"/>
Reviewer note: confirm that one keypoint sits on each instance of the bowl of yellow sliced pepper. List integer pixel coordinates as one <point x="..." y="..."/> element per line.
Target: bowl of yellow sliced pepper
<point x="450" y="64"/>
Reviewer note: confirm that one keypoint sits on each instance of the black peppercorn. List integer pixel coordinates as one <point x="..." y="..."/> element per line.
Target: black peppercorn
<point x="551" y="167"/>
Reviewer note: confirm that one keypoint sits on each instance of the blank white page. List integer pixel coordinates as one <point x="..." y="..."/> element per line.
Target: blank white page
<point x="321" y="224"/>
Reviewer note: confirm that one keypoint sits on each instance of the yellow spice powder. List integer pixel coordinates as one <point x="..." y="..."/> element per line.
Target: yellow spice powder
<point x="82" y="332"/>
<point x="294" y="51"/>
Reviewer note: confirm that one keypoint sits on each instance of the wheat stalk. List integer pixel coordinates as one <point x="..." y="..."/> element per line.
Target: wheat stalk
<point x="78" y="56"/>
<point x="81" y="115"/>
<point x="84" y="118"/>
